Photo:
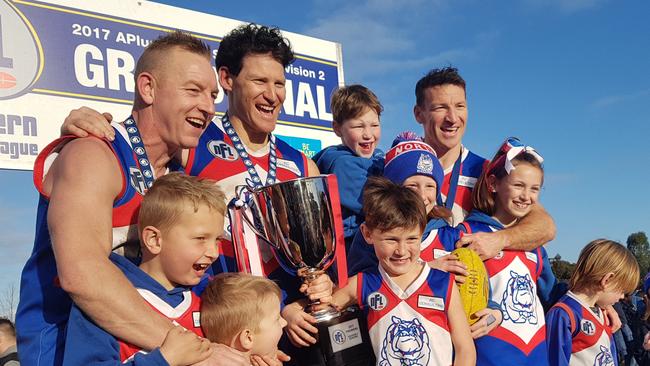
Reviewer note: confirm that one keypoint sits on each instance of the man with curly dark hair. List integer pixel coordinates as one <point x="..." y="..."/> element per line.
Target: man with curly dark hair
<point x="250" y="64"/>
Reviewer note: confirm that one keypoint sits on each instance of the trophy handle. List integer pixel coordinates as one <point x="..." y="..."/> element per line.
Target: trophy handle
<point x="240" y="206"/>
<point x="237" y="236"/>
<point x="242" y="215"/>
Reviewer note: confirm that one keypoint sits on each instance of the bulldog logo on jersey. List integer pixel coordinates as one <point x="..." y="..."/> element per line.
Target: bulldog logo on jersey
<point x="406" y="343"/>
<point x="604" y="358"/>
<point x="519" y="299"/>
<point x="220" y="149"/>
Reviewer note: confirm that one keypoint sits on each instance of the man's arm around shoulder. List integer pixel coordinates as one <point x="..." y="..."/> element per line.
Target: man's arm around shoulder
<point x="82" y="183"/>
<point x="531" y="232"/>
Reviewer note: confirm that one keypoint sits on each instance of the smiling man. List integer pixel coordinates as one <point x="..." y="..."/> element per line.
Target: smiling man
<point x="240" y="149"/>
<point x="441" y="109"/>
<point x="90" y="192"/>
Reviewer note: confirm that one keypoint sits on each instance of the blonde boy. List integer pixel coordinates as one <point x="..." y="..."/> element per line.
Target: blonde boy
<point x="180" y="221"/>
<point x="578" y="332"/>
<point x="242" y="311"/>
<point x="356" y="110"/>
<point x="414" y="312"/>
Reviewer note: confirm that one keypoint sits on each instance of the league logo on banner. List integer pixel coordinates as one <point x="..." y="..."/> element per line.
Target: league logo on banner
<point x="21" y="60"/>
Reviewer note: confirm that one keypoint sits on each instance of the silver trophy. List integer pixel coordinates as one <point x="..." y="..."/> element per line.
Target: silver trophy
<point x="297" y="219"/>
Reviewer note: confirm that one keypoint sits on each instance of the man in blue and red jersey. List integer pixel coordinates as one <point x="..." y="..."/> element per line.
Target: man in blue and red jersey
<point x="240" y="148"/>
<point x="90" y="192"/>
<point x="441" y="109"/>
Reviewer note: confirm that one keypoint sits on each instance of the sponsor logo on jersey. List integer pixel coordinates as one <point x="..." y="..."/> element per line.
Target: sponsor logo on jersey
<point x="222" y="150"/>
<point x="377" y="301"/>
<point x="466" y="181"/>
<point x="437" y="253"/>
<point x="431" y="302"/>
<point x="196" y="319"/>
<point x="531" y="256"/>
<point x="587" y="327"/>
<point x="137" y="180"/>
<point x="290" y="166"/>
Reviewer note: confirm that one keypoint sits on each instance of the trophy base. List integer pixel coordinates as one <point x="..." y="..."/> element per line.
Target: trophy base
<point x="324" y="314"/>
<point x="342" y="341"/>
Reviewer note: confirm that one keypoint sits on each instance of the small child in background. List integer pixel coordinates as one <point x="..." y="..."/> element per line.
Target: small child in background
<point x="414" y="312"/>
<point x="577" y="329"/>
<point x="356" y="110"/>
<point x="242" y="311"/>
<point x="179" y="223"/>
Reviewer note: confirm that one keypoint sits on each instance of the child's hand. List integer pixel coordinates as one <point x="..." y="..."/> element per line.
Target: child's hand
<point x="488" y="320"/>
<point x="182" y="347"/>
<point x="299" y="325"/>
<point x="450" y="263"/>
<point x="613" y="318"/>
<point x="319" y="289"/>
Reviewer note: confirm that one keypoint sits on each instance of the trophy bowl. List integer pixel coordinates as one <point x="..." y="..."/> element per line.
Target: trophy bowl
<point x="297" y="219"/>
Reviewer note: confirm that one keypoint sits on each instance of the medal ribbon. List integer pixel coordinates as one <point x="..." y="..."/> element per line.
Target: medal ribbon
<point x="254" y="181"/>
<point x="138" y="147"/>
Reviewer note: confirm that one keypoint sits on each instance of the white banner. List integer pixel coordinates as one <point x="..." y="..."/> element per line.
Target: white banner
<point x="59" y="55"/>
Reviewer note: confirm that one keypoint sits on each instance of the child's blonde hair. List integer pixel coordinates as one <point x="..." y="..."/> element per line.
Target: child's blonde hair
<point x="165" y="200"/>
<point x="601" y="257"/>
<point x="233" y="302"/>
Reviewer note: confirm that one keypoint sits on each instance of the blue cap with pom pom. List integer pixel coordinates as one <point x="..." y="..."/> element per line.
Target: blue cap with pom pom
<point x="410" y="156"/>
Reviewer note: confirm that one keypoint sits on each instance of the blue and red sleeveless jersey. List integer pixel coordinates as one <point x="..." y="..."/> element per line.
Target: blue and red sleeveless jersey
<point x="44" y="307"/>
<point x="578" y="335"/>
<point x="408" y="327"/>
<point x="514" y="275"/>
<point x="471" y="168"/>
<point x="216" y="158"/>
<point x="88" y="344"/>
<point x="439" y="242"/>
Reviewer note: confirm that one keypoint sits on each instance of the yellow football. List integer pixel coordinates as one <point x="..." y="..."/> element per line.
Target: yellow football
<point x="475" y="291"/>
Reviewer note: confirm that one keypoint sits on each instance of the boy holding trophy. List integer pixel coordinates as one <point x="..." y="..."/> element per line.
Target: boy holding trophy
<point x="414" y="312"/>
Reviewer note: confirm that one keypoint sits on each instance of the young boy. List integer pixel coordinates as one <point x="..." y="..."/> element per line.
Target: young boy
<point x="414" y="312"/>
<point x="242" y="311"/>
<point x="577" y="329"/>
<point x="356" y="112"/>
<point x="180" y="221"/>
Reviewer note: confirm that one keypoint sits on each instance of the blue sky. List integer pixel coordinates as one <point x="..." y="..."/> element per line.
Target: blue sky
<point x="569" y="77"/>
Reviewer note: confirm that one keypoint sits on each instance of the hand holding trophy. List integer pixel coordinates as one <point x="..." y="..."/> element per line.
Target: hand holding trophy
<point x="300" y="220"/>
